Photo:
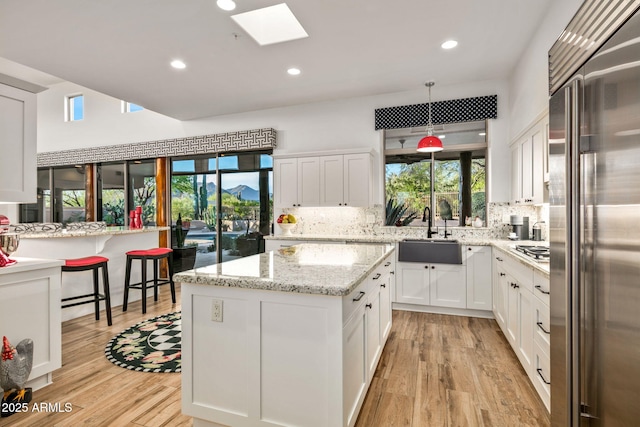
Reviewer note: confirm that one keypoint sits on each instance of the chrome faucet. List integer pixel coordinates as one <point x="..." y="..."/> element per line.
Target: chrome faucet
<point x="424" y="219"/>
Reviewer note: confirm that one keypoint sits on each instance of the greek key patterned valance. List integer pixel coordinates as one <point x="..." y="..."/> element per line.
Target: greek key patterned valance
<point x="256" y="139"/>
<point x="451" y="111"/>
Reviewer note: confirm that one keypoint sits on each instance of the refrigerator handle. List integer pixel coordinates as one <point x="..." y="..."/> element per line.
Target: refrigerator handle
<point x="573" y="249"/>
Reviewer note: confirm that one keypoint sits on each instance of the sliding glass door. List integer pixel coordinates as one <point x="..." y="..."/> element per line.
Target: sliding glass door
<point x="225" y="204"/>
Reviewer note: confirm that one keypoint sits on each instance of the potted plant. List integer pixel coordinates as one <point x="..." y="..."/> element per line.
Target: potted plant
<point x="184" y="257"/>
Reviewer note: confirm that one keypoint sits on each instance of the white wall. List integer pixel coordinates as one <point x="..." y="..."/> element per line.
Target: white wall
<point x="339" y="124"/>
<point x="529" y="83"/>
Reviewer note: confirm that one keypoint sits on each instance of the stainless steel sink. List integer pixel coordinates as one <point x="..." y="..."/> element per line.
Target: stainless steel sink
<point x="437" y="251"/>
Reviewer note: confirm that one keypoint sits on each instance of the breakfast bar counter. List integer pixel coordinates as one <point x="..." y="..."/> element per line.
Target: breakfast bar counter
<point x="109" y="242"/>
<point x="285" y="338"/>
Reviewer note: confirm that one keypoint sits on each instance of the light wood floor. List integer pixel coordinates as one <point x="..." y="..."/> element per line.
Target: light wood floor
<point x="435" y="371"/>
<point x="439" y="370"/>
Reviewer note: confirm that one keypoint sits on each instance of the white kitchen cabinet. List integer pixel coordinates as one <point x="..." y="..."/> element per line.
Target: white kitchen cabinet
<point x="18" y="135"/>
<point x="296" y="182"/>
<point x="500" y="291"/>
<point x="479" y="278"/>
<point x="30" y="308"/>
<point x="345" y="180"/>
<point x="385" y="305"/>
<point x="528" y="163"/>
<point x="374" y="335"/>
<point x="323" y="180"/>
<point x="447" y="285"/>
<point x="412" y="283"/>
<point x="355" y="364"/>
<point x="521" y="309"/>
<point x="440" y="285"/>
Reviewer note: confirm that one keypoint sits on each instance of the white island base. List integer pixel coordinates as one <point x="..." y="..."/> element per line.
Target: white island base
<point x="282" y="358"/>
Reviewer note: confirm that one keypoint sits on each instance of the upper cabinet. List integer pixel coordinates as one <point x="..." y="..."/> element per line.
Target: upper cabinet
<point x="331" y="180"/>
<point x="18" y="176"/>
<point x="528" y="164"/>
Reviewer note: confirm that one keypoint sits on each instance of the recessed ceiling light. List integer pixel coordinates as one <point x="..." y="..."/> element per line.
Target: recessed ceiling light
<point x="449" y="44"/>
<point x="226" y="4"/>
<point x="294" y="71"/>
<point x="176" y="63"/>
<point x="442" y="136"/>
<point x="269" y="25"/>
<point x="482" y="133"/>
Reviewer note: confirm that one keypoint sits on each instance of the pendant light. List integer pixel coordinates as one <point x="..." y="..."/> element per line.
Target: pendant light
<point x="430" y="143"/>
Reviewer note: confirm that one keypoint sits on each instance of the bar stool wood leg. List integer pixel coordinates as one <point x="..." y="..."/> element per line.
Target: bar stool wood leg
<point x="107" y="292"/>
<point x="173" y="285"/>
<point x="144" y="285"/>
<point x="127" y="281"/>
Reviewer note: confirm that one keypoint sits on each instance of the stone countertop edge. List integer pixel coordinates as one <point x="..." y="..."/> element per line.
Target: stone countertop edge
<point x="82" y="233"/>
<point x="267" y="284"/>
<point x="30" y="264"/>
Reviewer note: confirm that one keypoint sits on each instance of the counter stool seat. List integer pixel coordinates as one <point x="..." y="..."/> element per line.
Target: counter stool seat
<point x="145" y="255"/>
<point x="85" y="264"/>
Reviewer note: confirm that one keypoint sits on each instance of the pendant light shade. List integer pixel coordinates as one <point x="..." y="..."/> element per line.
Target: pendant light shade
<point x="429" y="143"/>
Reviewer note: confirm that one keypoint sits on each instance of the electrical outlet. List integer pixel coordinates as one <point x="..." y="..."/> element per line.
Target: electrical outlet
<point x="216" y="310"/>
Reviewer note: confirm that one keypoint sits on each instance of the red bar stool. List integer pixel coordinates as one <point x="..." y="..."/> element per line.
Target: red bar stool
<point x="154" y="254"/>
<point x="85" y="264"/>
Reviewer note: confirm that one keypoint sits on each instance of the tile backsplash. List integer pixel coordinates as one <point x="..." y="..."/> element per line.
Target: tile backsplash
<point x="368" y="221"/>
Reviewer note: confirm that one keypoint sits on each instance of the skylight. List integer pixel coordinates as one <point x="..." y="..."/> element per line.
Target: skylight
<point x="270" y="25"/>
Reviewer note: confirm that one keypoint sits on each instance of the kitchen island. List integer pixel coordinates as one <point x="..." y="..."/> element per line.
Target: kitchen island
<point x="109" y="242"/>
<point x="289" y="337"/>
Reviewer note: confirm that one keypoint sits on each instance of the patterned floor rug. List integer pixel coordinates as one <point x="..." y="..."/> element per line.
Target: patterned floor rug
<point x="153" y="345"/>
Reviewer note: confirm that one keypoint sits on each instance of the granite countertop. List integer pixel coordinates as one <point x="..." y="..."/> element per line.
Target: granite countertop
<point x="323" y="269"/>
<point x="504" y="244"/>
<point x="108" y="231"/>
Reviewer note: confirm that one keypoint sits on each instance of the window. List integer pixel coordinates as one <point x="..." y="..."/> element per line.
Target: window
<point x="129" y="107"/>
<point x="69" y="194"/>
<point x="451" y="183"/>
<point x="74" y="108"/>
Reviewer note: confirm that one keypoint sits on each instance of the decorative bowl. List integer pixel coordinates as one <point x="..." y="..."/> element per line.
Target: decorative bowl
<point x="9" y="242"/>
<point x="286" y="227"/>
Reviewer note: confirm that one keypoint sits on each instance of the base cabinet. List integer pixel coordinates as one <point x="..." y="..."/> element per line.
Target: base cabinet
<point x="522" y="311"/>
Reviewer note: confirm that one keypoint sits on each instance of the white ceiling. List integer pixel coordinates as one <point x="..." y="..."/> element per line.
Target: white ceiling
<point x="355" y="47"/>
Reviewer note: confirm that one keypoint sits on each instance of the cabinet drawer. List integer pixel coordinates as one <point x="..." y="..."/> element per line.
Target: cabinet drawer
<point x="542" y="334"/>
<point x="521" y="273"/>
<point x="355" y="299"/>
<point x="541" y="374"/>
<point x="541" y="287"/>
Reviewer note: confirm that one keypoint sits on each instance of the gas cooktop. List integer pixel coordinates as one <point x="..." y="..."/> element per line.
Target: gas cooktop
<point x="539" y="253"/>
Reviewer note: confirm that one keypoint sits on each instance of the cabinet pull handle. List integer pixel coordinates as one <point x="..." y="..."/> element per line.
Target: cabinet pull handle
<point x="339" y="204"/>
<point x="542" y="328"/>
<point x="469" y="249"/>
<point x="359" y="297"/>
<point x="387" y="264"/>
<point x="345" y="204"/>
<point x="369" y="305"/>
<point x="383" y="286"/>
<point x="540" y="373"/>
<point x="392" y="272"/>
<point x="433" y="267"/>
<point x="502" y="274"/>
<point x="538" y="287"/>
<point x="426" y="266"/>
<point x="499" y="259"/>
<point x="514" y="285"/>
<point x="377" y="276"/>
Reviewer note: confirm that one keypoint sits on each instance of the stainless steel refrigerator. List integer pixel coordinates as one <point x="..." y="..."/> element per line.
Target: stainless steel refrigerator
<point x="594" y="192"/>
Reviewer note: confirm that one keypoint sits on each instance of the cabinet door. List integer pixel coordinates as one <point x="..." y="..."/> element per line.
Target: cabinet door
<point x="448" y="285"/>
<point x="18" y="173"/>
<point x="512" y="312"/>
<point x="354" y="363"/>
<point x="331" y="180"/>
<point x="285" y="182"/>
<point x="527" y="169"/>
<point x="412" y="283"/>
<point x="516" y="173"/>
<point x="526" y="325"/>
<point x="308" y="181"/>
<point x="479" y="294"/>
<point x="373" y="309"/>
<point x="537" y="172"/>
<point x="501" y="293"/>
<point x="357" y="180"/>
<point x="385" y="307"/>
